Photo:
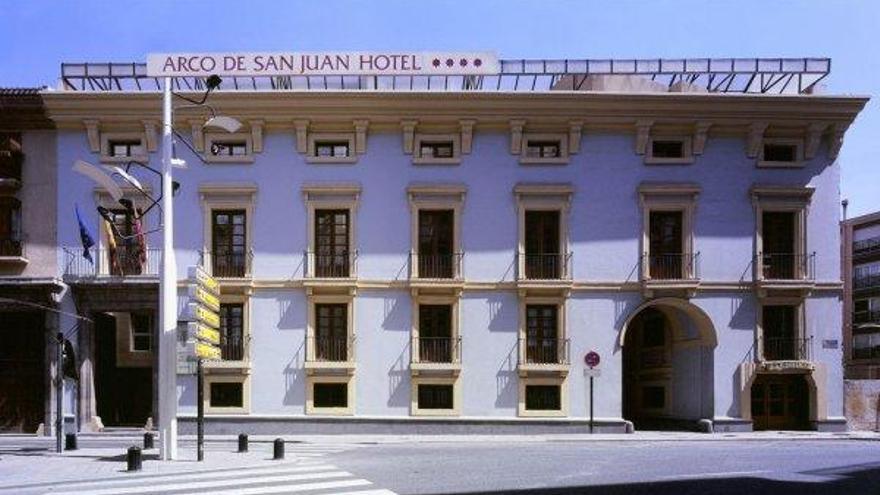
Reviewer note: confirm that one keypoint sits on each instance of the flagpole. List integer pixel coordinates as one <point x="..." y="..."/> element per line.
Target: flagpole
<point x="167" y="295"/>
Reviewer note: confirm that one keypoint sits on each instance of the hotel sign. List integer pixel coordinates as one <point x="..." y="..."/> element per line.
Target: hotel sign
<point x="323" y="64"/>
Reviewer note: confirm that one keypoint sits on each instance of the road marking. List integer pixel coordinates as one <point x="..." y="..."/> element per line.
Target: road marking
<point x="380" y="491"/>
<point x="725" y="474"/>
<point x="198" y="485"/>
<point x="289" y="488"/>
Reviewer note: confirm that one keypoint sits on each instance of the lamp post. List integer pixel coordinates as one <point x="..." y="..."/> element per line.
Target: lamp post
<point x="167" y="294"/>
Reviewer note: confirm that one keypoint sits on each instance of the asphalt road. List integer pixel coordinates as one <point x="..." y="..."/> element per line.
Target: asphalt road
<point x="845" y="467"/>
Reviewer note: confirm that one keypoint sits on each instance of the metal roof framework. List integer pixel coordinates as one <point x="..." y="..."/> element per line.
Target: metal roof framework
<point x="715" y="75"/>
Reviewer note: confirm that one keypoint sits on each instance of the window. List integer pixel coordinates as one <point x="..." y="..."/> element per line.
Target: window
<point x="332" y="257"/>
<point x="232" y="331"/>
<point x="779" y="260"/>
<point x="439" y="149"/>
<point x="331" y="148"/>
<point x="543" y="259"/>
<point x="326" y="149"/>
<point x="229" y="253"/>
<point x="776" y="152"/>
<point x="668" y="234"/>
<point x="331" y="332"/>
<point x="436" y="234"/>
<point x="542" y="334"/>
<point x="10" y="227"/>
<point x="125" y="148"/>
<point x="226" y="394"/>
<point x="435" y="396"/>
<point x="653" y="397"/>
<point x="866" y="344"/>
<point x="435" y="333"/>
<point x="543" y="149"/>
<point x="229" y="148"/>
<point x="665" y="257"/>
<point x="141" y="332"/>
<point x="779" y="324"/>
<point x="669" y="150"/>
<point x="543" y="398"/>
<point x="334" y="395"/>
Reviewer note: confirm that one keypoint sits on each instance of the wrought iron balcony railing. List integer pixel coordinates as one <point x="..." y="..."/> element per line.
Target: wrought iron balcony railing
<point x="330" y="349"/>
<point x="436" y="266"/>
<point x="228" y="265"/>
<point x="872" y="316"/>
<point x="12" y="247"/>
<point x="437" y="349"/>
<point x="866" y="281"/>
<point x="786" y="266"/>
<point x="331" y="265"/>
<point x="235" y="348"/>
<point x="544" y="266"/>
<point x="124" y="261"/>
<point x="671" y="266"/>
<point x="866" y="247"/>
<point x="534" y="350"/>
<point x="786" y="349"/>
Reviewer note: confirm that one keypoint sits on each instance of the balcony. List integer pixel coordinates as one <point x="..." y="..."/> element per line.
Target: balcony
<point x="662" y="271"/>
<point x="781" y="354"/>
<point x="331" y="266"/>
<point x="867" y="282"/>
<point x="543" y="272"/>
<point x="330" y="354"/>
<point x="436" y="354"/>
<point x="436" y="266"/>
<point x="10" y="168"/>
<point x="123" y="262"/>
<point x="866" y="248"/>
<point x="784" y="271"/>
<point x="543" y="356"/>
<point x="228" y="265"/>
<point x="12" y="251"/>
<point x="234" y="353"/>
<point x="872" y="316"/>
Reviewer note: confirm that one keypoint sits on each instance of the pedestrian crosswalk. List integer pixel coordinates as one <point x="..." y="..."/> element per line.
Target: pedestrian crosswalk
<point x="308" y="477"/>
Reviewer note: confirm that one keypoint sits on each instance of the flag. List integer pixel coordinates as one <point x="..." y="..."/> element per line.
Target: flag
<point x="85" y="237"/>
<point x="111" y="248"/>
<point x="140" y="239"/>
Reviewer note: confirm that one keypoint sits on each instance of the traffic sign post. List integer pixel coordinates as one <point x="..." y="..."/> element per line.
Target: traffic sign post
<point x="592" y="360"/>
<point x="203" y="338"/>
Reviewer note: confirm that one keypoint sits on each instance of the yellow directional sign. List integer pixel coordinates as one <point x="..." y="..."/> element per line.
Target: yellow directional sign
<point x="200" y="332"/>
<point x="199" y="313"/>
<point x="207" y="351"/>
<point x="204" y="297"/>
<point x="204" y="280"/>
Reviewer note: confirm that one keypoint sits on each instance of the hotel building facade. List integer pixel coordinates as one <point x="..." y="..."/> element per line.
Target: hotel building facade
<point x="441" y="258"/>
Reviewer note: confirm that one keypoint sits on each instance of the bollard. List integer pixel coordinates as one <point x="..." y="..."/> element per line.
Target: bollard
<point x="278" y="449"/>
<point x="134" y="459"/>
<point x="242" y="442"/>
<point x="70" y="441"/>
<point x="148" y="440"/>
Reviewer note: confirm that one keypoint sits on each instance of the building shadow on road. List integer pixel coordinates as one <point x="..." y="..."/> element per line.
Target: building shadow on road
<point x="845" y="480"/>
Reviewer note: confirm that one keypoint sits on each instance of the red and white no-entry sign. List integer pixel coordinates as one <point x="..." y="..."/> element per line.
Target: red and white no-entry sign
<point x="592" y="359"/>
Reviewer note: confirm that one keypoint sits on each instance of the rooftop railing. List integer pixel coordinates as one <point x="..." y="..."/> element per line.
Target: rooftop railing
<point x="715" y="75"/>
<point x="123" y="261"/>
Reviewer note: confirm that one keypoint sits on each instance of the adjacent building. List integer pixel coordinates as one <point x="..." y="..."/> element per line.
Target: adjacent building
<point x="438" y="254"/>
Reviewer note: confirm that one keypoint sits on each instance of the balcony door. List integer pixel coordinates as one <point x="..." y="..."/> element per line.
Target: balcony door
<point x="229" y="243"/>
<point x="436" y="234"/>
<point x="332" y="234"/>
<point x="542" y="333"/>
<point x="543" y="257"/>
<point x="435" y="333"/>
<point x="331" y="332"/>
<point x="665" y="245"/>
<point x="779" y="325"/>
<point x="232" y="331"/>
<point x="779" y="259"/>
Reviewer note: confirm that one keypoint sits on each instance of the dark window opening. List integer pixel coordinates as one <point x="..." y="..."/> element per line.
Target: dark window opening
<point x="10" y="227"/>
<point x="780" y="152"/>
<point x="227" y="395"/>
<point x="332" y="149"/>
<point x="653" y="397"/>
<point x="438" y="149"/>
<point x="331" y="332"/>
<point x="330" y="395"/>
<point x="543" y="259"/>
<point x="232" y="331"/>
<point x="777" y="235"/>
<point x="543" y="149"/>
<point x="780" y="329"/>
<point x="542" y="334"/>
<point x="229" y="148"/>
<point x="435" y="397"/>
<point x="667" y="149"/>
<point x="125" y="148"/>
<point x="230" y="243"/>
<point x="141" y="332"/>
<point x="435" y="244"/>
<point x="331" y="243"/>
<point x="666" y="259"/>
<point x="543" y="397"/>
<point x="435" y="333"/>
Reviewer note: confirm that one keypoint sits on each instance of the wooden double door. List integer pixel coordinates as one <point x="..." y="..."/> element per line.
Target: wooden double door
<point x="781" y="402"/>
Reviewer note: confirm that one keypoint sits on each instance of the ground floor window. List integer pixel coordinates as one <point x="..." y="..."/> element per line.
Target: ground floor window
<point x="543" y="397"/>
<point x="330" y="395"/>
<point x="435" y="396"/>
<point x="227" y="395"/>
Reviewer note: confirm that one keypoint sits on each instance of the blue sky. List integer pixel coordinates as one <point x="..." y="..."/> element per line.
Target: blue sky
<point x="37" y="35"/>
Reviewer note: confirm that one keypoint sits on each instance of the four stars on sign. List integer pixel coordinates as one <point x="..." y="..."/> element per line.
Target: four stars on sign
<point x="462" y="62"/>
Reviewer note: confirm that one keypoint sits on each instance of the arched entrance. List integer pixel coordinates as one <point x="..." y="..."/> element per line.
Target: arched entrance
<point x="668" y="377"/>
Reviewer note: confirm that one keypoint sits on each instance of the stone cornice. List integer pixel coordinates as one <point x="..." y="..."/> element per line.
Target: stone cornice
<point x="728" y="113"/>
